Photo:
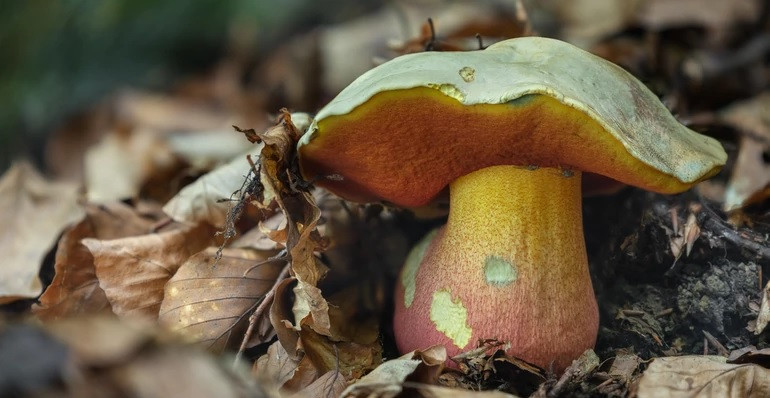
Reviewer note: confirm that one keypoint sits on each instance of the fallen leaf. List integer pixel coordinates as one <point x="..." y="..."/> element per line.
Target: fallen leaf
<point x="101" y="340"/>
<point x="431" y="391"/>
<point x="207" y="199"/>
<point x="75" y="289"/>
<point x="763" y="317"/>
<point x="387" y="379"/>
<point x="329" y="385"/>
<point x="167" y="113"/>
<point x="691" y="233"/>
<point x="209" y="300"/>
<point x="33" y="212"/>
<point x="702" y="376"/>
<point x="282" y="371"/>
<point x="118" y="166"/>
<point x="750" y="180"/>
<point x="624" y="366"/>
<point x="133" y="271"/>
<point x="750" y="354"/>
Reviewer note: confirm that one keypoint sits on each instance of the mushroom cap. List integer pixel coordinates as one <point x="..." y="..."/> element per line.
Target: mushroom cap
<point x="404" y="130"/>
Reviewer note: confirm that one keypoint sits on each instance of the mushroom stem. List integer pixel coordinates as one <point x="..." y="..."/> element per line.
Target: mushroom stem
<point x="510" y="264"/>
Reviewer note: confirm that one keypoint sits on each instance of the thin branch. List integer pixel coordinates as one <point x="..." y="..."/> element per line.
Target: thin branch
<point x="257" y="314"/>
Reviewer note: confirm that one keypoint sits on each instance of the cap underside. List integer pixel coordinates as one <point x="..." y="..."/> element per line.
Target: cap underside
<point x="404" y="146"/>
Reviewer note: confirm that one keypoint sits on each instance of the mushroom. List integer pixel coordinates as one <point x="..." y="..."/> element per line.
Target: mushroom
<point x="510" y="129"/>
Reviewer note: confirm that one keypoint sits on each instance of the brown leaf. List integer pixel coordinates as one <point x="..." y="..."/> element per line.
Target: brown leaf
<point x="133" y="271"/>
<point x="284" y="372"/>
<point x="386" y="380"/>
<point x="75" y="289"/>
<point x="624" y="366"/>
<point x="33" y="212"/>
<point x="106" y="357"/>
<point x="431" y="391"/>
<point x="750" y="180"/>
<point x="702" y="376"/>
<point x="123" y="161"/>
<point x="750" y="354"/>
<point x="209" y="301"/>
<point x="101" y="340"/>
<point x="352" y="359"/>
<point x="691" y="233"/>
<point x="763" y="317"/>
<point x="329" y="385"/>
<point x="205" y="200"/>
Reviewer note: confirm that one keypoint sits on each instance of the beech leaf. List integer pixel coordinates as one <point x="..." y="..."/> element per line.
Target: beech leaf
<point x="209" y="301"/>
<point x="133" y="271"/>
<point x="703" y="376"/>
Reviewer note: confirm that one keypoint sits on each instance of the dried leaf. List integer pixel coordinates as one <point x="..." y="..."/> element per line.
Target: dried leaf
<point x="75" y="289"/>
<point x="764" y="311"/>
<point x="386" y="380"/>
<point x="117" y="167"/>
<point x="205" y="200"/>
<point x="624" y="366"/>
<point x="101" y="340"/>
<point x="166" y="113"/>
<point x="133" y="271"/>
<point x="702" y="376"/>
<point x="750" y="354"/>
<point x="329" y="385"/>
<point x="209" y="301"/>
<point x="750" y="180"/>
<point x="431" y="391"/>
<point x="33" y="212"/>
<point x="691" y="233"/>
<point x="283" y="371"/>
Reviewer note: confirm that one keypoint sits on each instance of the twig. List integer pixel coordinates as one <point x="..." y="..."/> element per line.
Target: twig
<point x="633" y="312"/>
<point x="667" y="311"/>
<point x="717" y="345"/>
<point x="736" y="238"/>
<point x="266" y="301"/>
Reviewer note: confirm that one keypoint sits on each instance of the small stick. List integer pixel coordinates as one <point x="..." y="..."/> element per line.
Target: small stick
<point x="267" y="300"/>
<point x="721" y="350"/>
<point x="667" y="311"/>
<point x="632" y="312"/>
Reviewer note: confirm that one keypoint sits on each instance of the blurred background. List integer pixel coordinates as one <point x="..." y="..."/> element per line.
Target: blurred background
<point x="74" y="72"/>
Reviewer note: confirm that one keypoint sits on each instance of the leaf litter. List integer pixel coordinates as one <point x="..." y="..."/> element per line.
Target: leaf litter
<point x="674" y="275"/>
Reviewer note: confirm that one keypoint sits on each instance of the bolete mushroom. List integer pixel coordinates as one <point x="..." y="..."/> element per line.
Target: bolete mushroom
<point x="509" y="129"/>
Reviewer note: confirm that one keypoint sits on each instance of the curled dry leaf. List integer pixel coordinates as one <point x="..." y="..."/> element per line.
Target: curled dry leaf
<point x="75" y="289"/>
<point x="386" y="380"/>
<point x="33" y="212"/>
<point x="209" y="301"/>
<point x="702" y="376"/>
<point x="750" y="181"/>
<point x="282" y="372"/>
<point x="282" y="183"/>
<point x="133" y="271"/>
<point x="206" y="199"/>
